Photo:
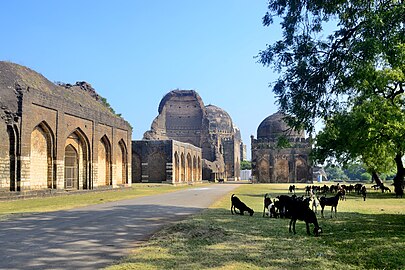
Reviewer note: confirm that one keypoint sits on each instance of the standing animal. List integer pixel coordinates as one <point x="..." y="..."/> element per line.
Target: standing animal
<point x="363" y="192"/>
<point x="332" y="201"/>
<point x="266" y="202"/>
<point x="300" y="211"/>
<point x="291" y="189"/>
<point x="384" y="188"/>
<point x="236" y="203"/>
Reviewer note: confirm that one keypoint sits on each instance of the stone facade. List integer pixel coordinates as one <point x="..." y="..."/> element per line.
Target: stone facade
<point x="184" y="117"/>
<point x="58" y="137"/>
<point x="166" y="161"/>
<point x="273" y="164"/>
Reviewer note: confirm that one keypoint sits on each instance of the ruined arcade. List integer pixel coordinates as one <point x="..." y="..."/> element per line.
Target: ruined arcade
<point x="58" y="137"/>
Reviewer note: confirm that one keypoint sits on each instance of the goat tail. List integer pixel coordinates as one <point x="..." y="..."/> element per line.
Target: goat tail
<point x="265" y="195"/>
<point x="232" y="195"/>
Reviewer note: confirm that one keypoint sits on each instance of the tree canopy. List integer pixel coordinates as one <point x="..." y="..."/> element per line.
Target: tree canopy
<point x="363" y="55"/>
<point x="353" y="78"/>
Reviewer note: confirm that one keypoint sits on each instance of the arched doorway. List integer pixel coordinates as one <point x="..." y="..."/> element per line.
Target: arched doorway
<point x="104" y="162"/>
<point x="282" y="171"/>
<point x="176" y="167"/>
<point x="79" y="143"/>
<point x="182" y="168"/>
<point x="121" y="164"/>
<point x="189" y="168"/>
<point x="41" y="157"/>
<point x="263" y="169"/>
<point x="71" y="167"/>
<point x="301" y="170"/>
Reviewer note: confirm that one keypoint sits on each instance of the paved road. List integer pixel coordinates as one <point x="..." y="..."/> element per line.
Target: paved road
<point x="94" y="236"/>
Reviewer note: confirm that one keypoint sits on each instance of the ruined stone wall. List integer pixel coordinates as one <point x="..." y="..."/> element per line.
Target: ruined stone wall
<point x="165" y="161"/>
<point x="286" y="165"/>
<point x="48" y="122"/>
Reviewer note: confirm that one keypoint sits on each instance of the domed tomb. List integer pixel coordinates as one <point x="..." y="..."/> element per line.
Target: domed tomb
<point x="219" y="120"/>
<point x="274" y="126"/>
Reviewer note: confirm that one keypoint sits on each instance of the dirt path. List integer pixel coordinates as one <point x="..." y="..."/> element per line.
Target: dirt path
<point x="94" y="236"/>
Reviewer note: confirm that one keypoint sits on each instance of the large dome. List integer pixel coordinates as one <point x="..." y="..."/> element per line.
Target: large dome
<point x="274" y="126"/>
<point x="219" y="120"/>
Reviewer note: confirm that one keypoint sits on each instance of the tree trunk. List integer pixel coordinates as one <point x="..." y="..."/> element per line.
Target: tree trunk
<point x="399" y="177"/>
<point x="375" y="177"/>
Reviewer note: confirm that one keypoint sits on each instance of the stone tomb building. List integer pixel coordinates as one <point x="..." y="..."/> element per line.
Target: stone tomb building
<point x="166" y="161"/>
<point x="183" y="117"/>
<point x="58" y="137"/>
<point x="271" y="164"/>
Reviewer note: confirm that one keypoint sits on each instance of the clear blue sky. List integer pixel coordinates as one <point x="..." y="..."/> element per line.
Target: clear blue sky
<point x="134" y="52"/>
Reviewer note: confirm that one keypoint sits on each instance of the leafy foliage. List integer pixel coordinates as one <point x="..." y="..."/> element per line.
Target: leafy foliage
<point x="364" y="54"/>
<point x="245" y="165"/>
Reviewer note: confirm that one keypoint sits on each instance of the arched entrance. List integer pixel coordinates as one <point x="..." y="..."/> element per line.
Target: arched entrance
<point x="41" y="157"/>
<point x="189" y="169"/>
<point x="104" y="162"/>
<point x="176" y="167"/>
<point x="121" y="164"/>
<point x="71" y="167"/>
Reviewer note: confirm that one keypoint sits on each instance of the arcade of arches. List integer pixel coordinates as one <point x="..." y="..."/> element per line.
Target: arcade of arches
<point x="166" y="161"/>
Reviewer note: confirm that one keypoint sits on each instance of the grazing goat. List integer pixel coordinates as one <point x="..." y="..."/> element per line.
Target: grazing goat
<point x="267" y="202"/>
<point x="236" y="203"/>
<point x="300" y="211"/>
<point x="291" y="189"/>
<point x="332" y="201"/>
<point x="357" y="188"/>
<point x="384" y="188"/>
<point x="364" y="192"/>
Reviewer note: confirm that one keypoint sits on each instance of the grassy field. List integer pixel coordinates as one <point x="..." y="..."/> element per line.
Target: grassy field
<point x="365" y="235"/>
<point x="18" y="207"/>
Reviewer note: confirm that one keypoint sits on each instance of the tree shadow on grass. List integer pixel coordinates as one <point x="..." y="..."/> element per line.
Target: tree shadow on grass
<point x="217" y="239"/>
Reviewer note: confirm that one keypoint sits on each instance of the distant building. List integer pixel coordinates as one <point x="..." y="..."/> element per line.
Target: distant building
<point x="184" y="117"/>
<point x="271" y="164"/>
<point x="166" y="161"/>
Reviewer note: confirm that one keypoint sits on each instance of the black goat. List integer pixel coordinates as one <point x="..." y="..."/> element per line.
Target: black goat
<point x="363" y="192"/>
<point x="291" y="189"/>
<point x="236" y="203"/>
<point x="332" y="201"/>
<point x="266" y="202"/>
<point x="384" y="188"/>
<point x="300" y="211"/>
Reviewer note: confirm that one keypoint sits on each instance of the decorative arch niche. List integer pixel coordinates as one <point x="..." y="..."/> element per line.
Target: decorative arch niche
<point x="42" y="157"/>
<point x="104" y="162"/>
<point x="76" y="161"/>
<point x="121" y="163"/>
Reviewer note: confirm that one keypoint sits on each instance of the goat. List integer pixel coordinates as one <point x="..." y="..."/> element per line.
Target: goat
<point x="266" y="202"/>
<point x="332" y="201"/>
<point x="315" y="203"/>
<point x="384" y="188"/>
<point x="364" y="192"/>
<point x="291" y="189"/>
<point x="236" y="203"/>
<point x="357" y="188"/>
<point x="300" y="211"/>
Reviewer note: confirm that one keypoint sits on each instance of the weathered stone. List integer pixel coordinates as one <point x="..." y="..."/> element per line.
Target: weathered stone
<point x="273" y="164"/>
<point x="51" y="135"/>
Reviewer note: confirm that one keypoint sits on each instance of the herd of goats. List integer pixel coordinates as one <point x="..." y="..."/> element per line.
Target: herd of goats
<point x="305" y="207"/>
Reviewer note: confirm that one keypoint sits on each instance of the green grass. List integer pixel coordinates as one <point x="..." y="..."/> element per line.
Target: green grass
<point x="365" y="235"/>
<point x="35" y="205"/>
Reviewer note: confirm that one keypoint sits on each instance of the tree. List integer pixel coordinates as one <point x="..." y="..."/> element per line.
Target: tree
<point x="334" y="172"/>
<point x="361" y="60"/>
<point x="245" y="165"/>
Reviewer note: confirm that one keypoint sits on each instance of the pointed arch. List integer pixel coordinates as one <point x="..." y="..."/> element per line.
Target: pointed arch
<point x="182" y="168"/>
<point x="71" y="167"/>
<point x="263" y="171"/>
<point x="195" y="170"/>
<point x="79" y="141"/>
<point x="104" y="162"/>
<point x="13" y="154"/>
<point x="42" y="157"/>
<point x="301" y="170"/>
<point x="176" y="167"/>
<point x="189" y="168"/>
<point x="121" y="163"/>
<point x="199" y="169"/>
